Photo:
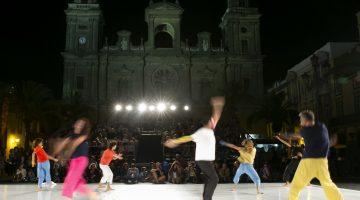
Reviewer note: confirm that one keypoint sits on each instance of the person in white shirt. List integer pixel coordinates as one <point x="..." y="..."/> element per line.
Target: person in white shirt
<point x="205" y="147"/>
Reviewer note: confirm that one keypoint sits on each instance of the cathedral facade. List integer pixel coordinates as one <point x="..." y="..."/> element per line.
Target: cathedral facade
<point x="164" y="66"/>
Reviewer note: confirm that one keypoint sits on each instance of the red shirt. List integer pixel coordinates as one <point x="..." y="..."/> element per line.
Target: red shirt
<point x="107" y="157"/>
<point x="41" y="154"/>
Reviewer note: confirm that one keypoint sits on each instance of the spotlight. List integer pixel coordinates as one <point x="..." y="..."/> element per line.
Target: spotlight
<point x="118" y="107"/>
<point x="129" y="108"/>
<point x="151" y="108"/>
<point x="161" y="107"/>
<point x="173" y="107"/>
<point x="142" y="107"/>
<point x="186" y="108"/>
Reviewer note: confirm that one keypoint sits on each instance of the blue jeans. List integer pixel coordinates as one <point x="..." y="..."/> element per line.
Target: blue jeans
<point x="248" y="169"/>
<point x="43" y="173"/>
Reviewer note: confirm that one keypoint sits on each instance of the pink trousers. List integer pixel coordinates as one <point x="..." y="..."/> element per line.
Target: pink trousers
<point x="74" y="180"/>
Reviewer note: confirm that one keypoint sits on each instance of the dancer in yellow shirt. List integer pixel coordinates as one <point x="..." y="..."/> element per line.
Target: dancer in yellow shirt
<point x="246" y="159"/>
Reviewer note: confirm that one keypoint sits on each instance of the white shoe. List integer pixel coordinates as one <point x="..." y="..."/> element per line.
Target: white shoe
<point x="51" y="186"/>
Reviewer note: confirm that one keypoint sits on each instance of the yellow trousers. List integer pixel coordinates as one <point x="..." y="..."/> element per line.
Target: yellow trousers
<point x="308" y="169"/>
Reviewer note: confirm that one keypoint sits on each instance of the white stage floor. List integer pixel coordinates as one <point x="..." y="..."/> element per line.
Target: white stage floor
<point x="272" y="191"/>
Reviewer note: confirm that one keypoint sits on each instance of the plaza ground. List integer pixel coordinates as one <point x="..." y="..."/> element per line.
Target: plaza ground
<point x="272" y="191"/>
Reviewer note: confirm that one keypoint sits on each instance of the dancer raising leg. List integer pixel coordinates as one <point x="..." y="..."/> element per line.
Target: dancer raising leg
<point x="246" y="159"/>
<point x="78" y="147"/>
<point x="205" y="147"/>
<point x="43" y="164"/>
<point x="108" y="155"/>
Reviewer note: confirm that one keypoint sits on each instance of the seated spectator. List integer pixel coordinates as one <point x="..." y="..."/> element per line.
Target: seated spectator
<point x="133" y="174"/>
<point x="224" y="173"/>
<point x="124" y="171"/>
<point x="190" y="173"/>
<point x="157" y="175"/>
<point x="20" y="175"/>
<point x="94" y="174"/>
<point x="144" y="175"/>
<point x="31" y="176"/>
<point x="175" y="173"/>
<point x="56" y="172"/>
<point x="265" y="172"/>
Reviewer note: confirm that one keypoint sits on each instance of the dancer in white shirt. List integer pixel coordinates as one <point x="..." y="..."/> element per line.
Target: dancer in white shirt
<point x="205" y="147"/>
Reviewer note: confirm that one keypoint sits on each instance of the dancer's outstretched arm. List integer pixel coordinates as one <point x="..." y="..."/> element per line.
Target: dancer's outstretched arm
<point x="283" y="141"/>
<point x="118" y="156"/>
<point x="172" y="143"/>
<point x="231" y="145"/>
<point x="52" y="158"/>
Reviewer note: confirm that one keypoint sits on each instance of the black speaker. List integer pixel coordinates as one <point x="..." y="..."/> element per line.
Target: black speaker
<point x="149" y="148"/>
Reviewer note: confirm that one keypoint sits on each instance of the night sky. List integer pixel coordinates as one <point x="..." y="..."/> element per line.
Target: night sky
<point x="32" y="33"/>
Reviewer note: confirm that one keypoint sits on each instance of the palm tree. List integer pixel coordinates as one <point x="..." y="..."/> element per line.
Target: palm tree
<point x="273" y="111"/>
<point x="29" y="102"/>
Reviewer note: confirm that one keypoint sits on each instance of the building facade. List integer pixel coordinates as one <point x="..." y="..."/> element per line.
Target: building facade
<point x="164" y="66"/>
<point x="327" y="82"/>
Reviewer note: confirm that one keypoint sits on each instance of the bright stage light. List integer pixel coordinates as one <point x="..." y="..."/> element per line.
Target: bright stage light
<point x="142" y="107"/>
<point x="173" y="107"/>
<point x="118" y="107"/>
<point x="129" y="108"/>
<point x="151" y="108"/>
<point x="186" y="108"/>
<point x="161" y="107"/>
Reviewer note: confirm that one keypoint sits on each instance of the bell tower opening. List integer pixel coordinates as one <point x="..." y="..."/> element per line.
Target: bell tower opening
<point x="164" y="36"/>
<point x="163" y="40"/>
<point x="163" y="19"/>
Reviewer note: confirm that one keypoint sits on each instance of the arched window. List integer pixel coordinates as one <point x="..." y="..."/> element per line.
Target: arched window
<point x="163" y="40"/>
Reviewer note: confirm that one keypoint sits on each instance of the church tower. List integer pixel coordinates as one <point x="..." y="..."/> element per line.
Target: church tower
<point x="83" y="27"/>
<point x="240" y="26"/>
<point x="163" y="20"/>
<point x="83" y="33"/>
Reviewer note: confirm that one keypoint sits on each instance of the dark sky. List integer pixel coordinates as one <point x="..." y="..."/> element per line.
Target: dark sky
<point x="32" y="32"/>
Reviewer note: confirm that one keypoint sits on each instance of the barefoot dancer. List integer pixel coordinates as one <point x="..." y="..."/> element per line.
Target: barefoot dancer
<point x="106" y="158"/>
<point x="246" y="159"/>
<point x="78" y="148"/>
<point x="205" y="147"/>
<point x="43" y="164"/>
<point x="296" y="155"/>
<point x="314" y="163"/>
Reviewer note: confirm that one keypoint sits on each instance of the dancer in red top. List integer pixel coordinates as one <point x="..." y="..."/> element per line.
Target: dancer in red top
<point x="43" y="164"/>
<point x="108" y="155"/>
